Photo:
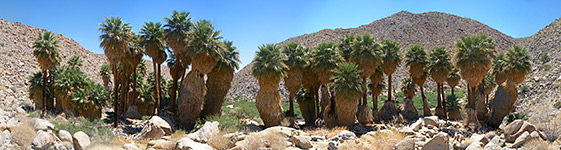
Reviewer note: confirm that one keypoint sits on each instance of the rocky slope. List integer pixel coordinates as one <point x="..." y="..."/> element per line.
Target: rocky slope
<point x="429" y="29"/>
<point x="18" y="62"/>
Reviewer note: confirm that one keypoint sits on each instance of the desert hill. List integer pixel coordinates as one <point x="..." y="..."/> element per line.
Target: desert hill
<point x="429" y="29"/>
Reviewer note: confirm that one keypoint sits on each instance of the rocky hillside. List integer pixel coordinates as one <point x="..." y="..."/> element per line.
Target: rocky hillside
<point x="429" y="29"/>
<point x="543" y="84"/>
<point x="18" y="62"/>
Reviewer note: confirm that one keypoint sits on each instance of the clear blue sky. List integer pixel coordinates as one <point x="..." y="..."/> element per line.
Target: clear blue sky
<point x="251" y="23"/>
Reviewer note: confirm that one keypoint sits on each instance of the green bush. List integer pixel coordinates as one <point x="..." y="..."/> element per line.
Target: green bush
<point x="516" y="116"/>
<point x="95" y="129"/>
<point x="547" y="67"/>
<point x="545" y="58"/>
<point x="524" y="88"/>
<point x="557" y="105"/>
<point x="228" y="124"/>
<point x="452" y="102"/>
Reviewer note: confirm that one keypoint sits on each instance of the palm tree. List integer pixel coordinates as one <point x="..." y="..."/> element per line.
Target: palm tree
<point x="134" y="59"/>
<point x="324" y="59"/>
<point x="115" y="38"/>
<point x="306" y="104"/>
<point x="176" y="30"/>
<point x="391" y="58"/>
<point x="517" y="65"/>
<point x="473" y="59"/>
<point x="366" y="54"/>
<point x="376" y="80"/>
<point x="177" y="71"/>
<point x="439" y="68"/>
<point x="269" y="68"/>
<point x="346" y="46"/>
<point x="204" y="50"/>
<point x="219" y="80"/>
<point x="154" y="43"/>
<point x="453" y="80"/>
<point x="104" y="72"/>
<point x="46" y="51"/>
<point x="407" y="108"/>
<point x="75" y="61"/>
<point x="347" y="90"/>
<point x="498" y="69"/>
<point x="416" y="59"/>
<point x="296" y="61"/>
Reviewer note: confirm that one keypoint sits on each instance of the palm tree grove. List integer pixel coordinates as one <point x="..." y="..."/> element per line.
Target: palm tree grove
<point x="219" y="78"/>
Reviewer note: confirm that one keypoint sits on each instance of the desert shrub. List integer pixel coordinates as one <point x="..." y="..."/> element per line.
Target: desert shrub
<point x="2" y="44"/>
<point x="23" y="134"/>
<point x="145" y="117"/>
<point x="557" y="105"/>
<point x="547" y="67"/>
<point x="178" y="134"/>
<point x="524" y="88"/>
<point x="540" y="144"/>
<point x="382" y="140"/>
<point x="34" y="114"/>
<point x="95" y="129"/>
<point x="551" y="129"/>
<point x="356" y="145"/>
<point x="545" y="58"/>
<point x="227" y="123"/>
<point x="452" y="102"/>
<point x="242" y="109"/>
<point x="261" y="140"/>
<point x="516" y="116"/>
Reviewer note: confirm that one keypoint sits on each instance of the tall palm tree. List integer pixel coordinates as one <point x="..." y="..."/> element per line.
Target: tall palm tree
<point x="155" y="44"/>
<point x="517" y="65"/>
<point x="473" y="59"/>
<point x="204" y="50"/>
<point x="296" y="62"/>
<point x="346" y="46"/>
<point x="391" y="58"/>
<point x="407" y="108"/>
<point x="46" y="51"/>
<point x="453" y="80"/>
<point x="177" y="71"/>
<point x="219" y="79"/>
<point x="439" y="68"/>
<point x="115" y="38"/>
<point x="269" y="68"/>
<point x="176" y="30"/>
<point x="347" y="90"/>
<point x="498" y="69"/>
<point x="105" y="72"/>
<point x="324" y="59"/>
<point x="131" y="60"/>
<point x="376" y="80"/>
<point x="416" y="59"/>
<point x="366" y="54"/>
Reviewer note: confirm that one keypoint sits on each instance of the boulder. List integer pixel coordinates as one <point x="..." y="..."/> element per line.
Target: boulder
<point x="40" y="124"/>
<point x="495" y="143"/>
<point x="523" y="138"/>
<point x="502" y="103"/>
<point x="43" y="139"/>
<point x="208" y="130"/>
<point x="343" y="135"/>
<point x="303" y="142"/>
<point x="129" y="146"/>
<point x="65" y="136"/>
<point x="475" y="146"/>
<point x="516" y="128"/>
<point x="408" y="144"/>
<point x="155" y="128"/>
<point x="162" y="144"/>
<point x="479" y="138"/>
<point x="431" y="120"/>
<point x="417" y="125"/>
<point x="408" y="110"/>
<point x="81" y="140"/>
<point x="438" y="142"/>
<point x="188" y="144"/>
<point x="5" y="137"/>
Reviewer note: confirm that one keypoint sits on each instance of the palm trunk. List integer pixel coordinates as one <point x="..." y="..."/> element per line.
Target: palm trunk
<point x="389" y="87"/>
<point x="218" y="82"/>
<point x="173" y="95"/>
<point x="44" y="93"/>
<point x="135" y="94"/>
<point x="374" y="104"/>
<point x="452" y="90"/>
<point x="438" y="96"/>
<point x="443" y="100"/>
<point x="472" y="121"/>
<point x="51" y="98"/>
<point x="346" y="108"/>
<point x="426" y="108"/>
<point x="122" y="87"/>
<point x="115" y="94"/>
<point x="268" y="101"/>
<point x="291" y="104"/>
<point x="157" y="91"/>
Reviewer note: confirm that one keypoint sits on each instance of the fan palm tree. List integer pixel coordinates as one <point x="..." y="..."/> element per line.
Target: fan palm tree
<point x="391" y="58"/>
<point x="366" y="54"/>
<point x="453" y="80"/>
<point x="219" y="80"/>
<point x="46" y="51"/>
<point x="130" y="61"/>
<point x="104" y="72"/>
<point x="407" y="108"/>
<point x="517" y="65"/>
<point x="346" y="46"/>
<point x="439" y="68"/>
<point x="269" y="68"/>
<point x="416" y="59"/>
<point x="499" y="69"/>
<point x="376" y="80"/>
<point x="115" y="38"/>
<point x="324" y="59"/>
<point x="204" y="50"/>
<point x="176" y="34"/>
<point x="306" y="104"/>
<point x="347" y="89"/>
<point x="176" y="70"/>
<point x="296" y="61"/>
<point x="473" y="59"/>
<point x="155" y="44"/>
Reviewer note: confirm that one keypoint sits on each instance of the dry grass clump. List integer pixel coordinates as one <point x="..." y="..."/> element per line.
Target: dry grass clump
<point x="328" y="133"/>
<point x="543" y="116"/>
<point x="273" y="140"/>
<point x="382" y="140"/>
<point x="23" y="134"/>
<point x="105" y="147"/>
<point x="541" y="144"/>
<point x="551" y="129"/>
<point x="220" y="142"/>
<point x="119" y="141"/>
<point x="355" y="145"/>
<point x="178" y="134"/>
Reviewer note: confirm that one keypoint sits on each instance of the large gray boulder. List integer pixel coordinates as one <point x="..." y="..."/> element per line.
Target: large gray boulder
<point x="155" y="128"/>
<point x="438" y="142"/>
<point x="208" y="130"/>
<point x="43" y="139"/>
<point x="81" y="140"/>
<point x="65" y="136"/>
<point x="40" y="124"/>
<point x="516" y="128"/>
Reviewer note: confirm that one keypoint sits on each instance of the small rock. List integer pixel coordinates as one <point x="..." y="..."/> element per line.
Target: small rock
<point x="302" y="141"/>
<point x="417" y="125"/>
<point x="5" y="137"/>
<point x="317" y="138"/>
<point x="525" y="137"/>
<point x="408" y="144"/>
<point x="475" y="146"/>
<point x="438" y="142"/>
<point x="479" y="138"/>
<point x="162" y="144"/>
<point x="407" y="131"/>
<point x="430" y="120"/>
<point x="129" y="146"/>
<point x="188" y="144"/>
<point x="516" y="128"/>
<point x="43" y="139"/>
<point x="155" y="128"/>
<point x="41" y="124"/>
<point x="208" y="130"/>
<point x="65" y="136"/>
<point x="81" y="140"/>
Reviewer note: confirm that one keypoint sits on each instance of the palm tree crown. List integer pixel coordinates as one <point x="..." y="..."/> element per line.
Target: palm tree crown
<point x="391" y="56"/>
<point x="204" y="40"/>
<point x="325" y="57"/>
<point x="346" y="81"/>
<point x="366" y="51"/>
<point x="153" y="40"/>
<point x="115" y="37"/>
<point x="474" y="56"/>
<point x="345" y="46"/>
<point x="416" y="59"/>
<point x="46" y="50"/>
<point x="230" y="57"/>
<point x="517" y="63"/>
<point x="269" y="61"/>
<point x="177" y="26"/>
<point x="296" y="55"/>
<point x="440" y="64"/>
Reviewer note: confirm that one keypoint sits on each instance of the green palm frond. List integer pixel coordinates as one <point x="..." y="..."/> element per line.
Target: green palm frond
<point x="105" y="70"/>
<point x="365" y="49"/>
<point x="440" y="60"/>
<point x="407" y="84"/>
<point x="177" y="25"/>
<point x="46" y="47"/>
<point x="204" y="40"/>
<point x="345" y="46"/>
<point x="75" y="61"/>
<point x="269" y="61"/>
<point x="454" y="73"/>
<point x="325" y="57"/>
<point x="153" y="40"/>
<point x="116" y="34"/>
<point x="296" y="55"/>
<point x="303" y="95"/>
<point x="517" y="59"/>
<point x="230" y="56"/>
<point x="416" y="55"/>
<point x="499" y="64"/>
<point x="347" y="81"/>
<point x="391" y="51"/>
<point x="474" y="50"/>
